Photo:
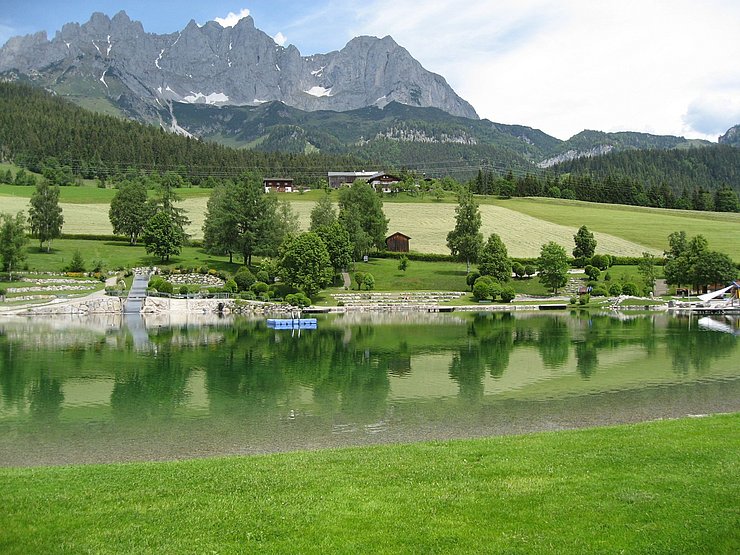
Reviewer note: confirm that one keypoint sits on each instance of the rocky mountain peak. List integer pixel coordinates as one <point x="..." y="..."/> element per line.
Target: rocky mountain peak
<point x="731" y="137"/>
<point x="210" y="64"/>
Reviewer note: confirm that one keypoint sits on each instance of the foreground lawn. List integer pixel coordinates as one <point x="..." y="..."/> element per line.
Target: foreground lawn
<point x="662" y="487"/>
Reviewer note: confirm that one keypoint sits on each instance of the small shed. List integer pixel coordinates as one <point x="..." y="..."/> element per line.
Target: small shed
<point x="398" y="242"/>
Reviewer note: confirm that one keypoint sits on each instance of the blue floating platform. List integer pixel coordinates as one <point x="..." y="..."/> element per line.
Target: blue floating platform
<point x="292" y="323"/>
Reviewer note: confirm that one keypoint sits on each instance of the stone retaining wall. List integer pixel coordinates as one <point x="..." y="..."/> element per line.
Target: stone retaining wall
<point x="98" y="305"/>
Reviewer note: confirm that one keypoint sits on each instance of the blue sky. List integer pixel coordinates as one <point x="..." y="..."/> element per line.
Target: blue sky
<point x="658" y="66"/>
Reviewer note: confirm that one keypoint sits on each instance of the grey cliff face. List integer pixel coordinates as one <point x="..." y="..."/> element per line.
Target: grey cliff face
<point x="732" y="137"/>
<point x="238" y="65"/>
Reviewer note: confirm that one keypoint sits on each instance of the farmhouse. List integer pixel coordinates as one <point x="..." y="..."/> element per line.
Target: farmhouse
<point x="278" y="184"/>
<point x="338" y="179"/>
<point x="398" y="242"/>
<point x="384" y="181"/>
<point x="379" y="180"/>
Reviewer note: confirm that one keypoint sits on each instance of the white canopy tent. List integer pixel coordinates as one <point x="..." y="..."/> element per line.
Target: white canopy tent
<point x="717" y="294"/>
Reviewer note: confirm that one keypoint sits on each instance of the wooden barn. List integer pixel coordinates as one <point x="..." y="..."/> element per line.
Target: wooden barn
<point x="398" y="242"/>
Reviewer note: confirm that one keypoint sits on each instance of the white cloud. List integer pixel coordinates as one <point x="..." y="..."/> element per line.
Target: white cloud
<point x="280" y="39"/>
<point x="232" y="19"/>
<point x="567" y="66"/>
<point x="713" y="114"/>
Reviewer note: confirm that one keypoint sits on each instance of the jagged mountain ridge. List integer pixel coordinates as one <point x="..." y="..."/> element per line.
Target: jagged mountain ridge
<point x="228" y="84"/>
<point x="238" y="65"/>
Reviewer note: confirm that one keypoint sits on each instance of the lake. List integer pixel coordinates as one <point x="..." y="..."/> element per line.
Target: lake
<point x="107" y="389"/>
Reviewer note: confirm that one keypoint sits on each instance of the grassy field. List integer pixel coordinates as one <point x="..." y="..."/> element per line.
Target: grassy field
<point x="523" y="224"/>
<point x="646" y="226"/>
<point x="660" y="487"/>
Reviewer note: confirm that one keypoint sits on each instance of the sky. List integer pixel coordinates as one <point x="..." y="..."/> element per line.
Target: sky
<point x="657" y="66"/>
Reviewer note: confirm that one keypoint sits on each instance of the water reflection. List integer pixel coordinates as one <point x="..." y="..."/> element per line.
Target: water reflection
<point x="138" y="389"/>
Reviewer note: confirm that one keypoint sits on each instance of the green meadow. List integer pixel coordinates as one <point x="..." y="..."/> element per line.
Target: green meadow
<point x="658" y="487"/>
<point x="524" y="224"/>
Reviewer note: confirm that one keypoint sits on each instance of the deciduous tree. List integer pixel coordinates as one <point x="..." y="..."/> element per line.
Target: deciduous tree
<point x="553" y="266"/>
<point x="13" y="241"/>
<point x="242" y="218"/>
<point x="129" y="210"/>
<point x="465" y="240"/>
<point x="162" y="236"/>
<point x="304" y="263"/>
<point x="338" y="245"/>
<point x="361" y="213"/>
<point x="494" y="259"/>
<point x="45" y="214"/>
<point x="323" y="213"/>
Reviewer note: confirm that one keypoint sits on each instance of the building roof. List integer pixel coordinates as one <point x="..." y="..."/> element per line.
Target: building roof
<point x="352" y="174"/>
<point x="397" y="233"/>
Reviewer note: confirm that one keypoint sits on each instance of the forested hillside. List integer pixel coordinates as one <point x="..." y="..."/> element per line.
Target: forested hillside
<point x="35" y="125"/>
<point x="679" y="169"/>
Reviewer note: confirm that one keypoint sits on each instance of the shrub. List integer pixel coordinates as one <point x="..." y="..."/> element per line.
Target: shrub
<point x="530" y="270"/>
<point x="471" y="278"/>
<point x="599" y="291"/>
<point x="230" y="286"/>
<point x="262" y="275"/>
<point x="607" y="277"/>
<point x="77" y="264"/>
<point x="244" y="278"/>
<point x="615" y="290"/>
<point x="259" y="287"/>
<point x="247" y="295"/>
<point x="485" y="287"/>
<point x="166" y="287"/>
<point x="369" y="281"/>
<point x="573" y="300"/>
<point x="583" y="299"/>
<point x="299" y="299"/>
<point x="592" y="272"/>
<point x="155" y="283"/>
<point x="481" y="290"/>
<point x="359" y="279"/>
<point x="518" y="269"/>
<point x="183" y="290"/>
<point x="281" y="290"/>
<point x="203" y="269"/>
<point x="630" y="289"/>
<point x="508" y="294"/>
<point x="601" y="261"/>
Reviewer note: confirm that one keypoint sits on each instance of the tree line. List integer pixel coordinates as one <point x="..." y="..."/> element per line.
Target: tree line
<point x="610" y="190"/>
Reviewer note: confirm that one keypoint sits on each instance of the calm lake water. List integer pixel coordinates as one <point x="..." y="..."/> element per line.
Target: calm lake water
<point x="103" y="390"/>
